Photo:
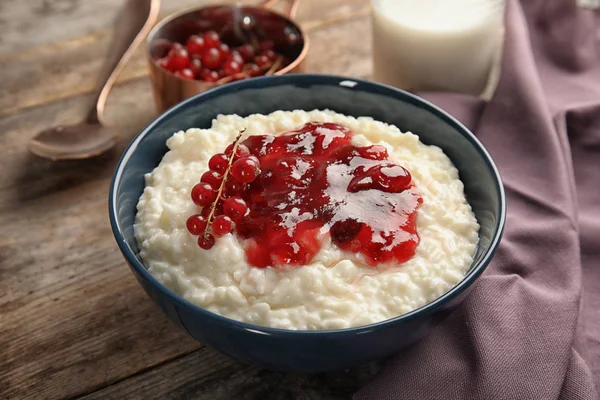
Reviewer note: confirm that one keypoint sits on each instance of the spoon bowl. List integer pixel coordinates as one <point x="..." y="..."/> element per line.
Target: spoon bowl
<point x="73" y="142"/>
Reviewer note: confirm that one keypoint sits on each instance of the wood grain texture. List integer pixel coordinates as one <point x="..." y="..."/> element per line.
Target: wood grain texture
<point x="37" y="71"/>
<point x="38" y="75"/>
<point x="207" y="375"/>
<point x="38" y="23"/>
<point x="73" y="316"/>
<point x="73" y="320"/>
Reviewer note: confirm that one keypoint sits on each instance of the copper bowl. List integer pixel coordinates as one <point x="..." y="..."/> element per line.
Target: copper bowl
<point x="170" y="89"/>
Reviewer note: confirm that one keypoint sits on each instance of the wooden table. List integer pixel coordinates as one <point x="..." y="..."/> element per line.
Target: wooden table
<point x="73" y="320"/>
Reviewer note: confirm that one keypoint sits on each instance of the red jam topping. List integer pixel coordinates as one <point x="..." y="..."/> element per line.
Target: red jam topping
<point x="314" y="183"/>
<point x="287" y="193"/>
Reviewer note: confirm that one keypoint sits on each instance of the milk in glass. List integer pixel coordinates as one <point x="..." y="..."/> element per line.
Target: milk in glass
<point x="448" y="45"/>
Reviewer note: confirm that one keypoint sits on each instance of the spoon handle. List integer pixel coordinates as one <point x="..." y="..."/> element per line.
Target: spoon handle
<point x="133" y="24"/>
<point x="292" y="6"/>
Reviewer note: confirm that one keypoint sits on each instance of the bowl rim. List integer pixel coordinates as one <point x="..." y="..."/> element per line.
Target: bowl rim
<point x="323" y="79"/>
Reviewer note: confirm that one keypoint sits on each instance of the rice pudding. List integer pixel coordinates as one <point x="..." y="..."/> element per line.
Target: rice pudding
<point x="293" y="260"/>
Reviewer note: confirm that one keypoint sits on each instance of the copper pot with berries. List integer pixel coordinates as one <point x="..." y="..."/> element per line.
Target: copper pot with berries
<point x="200" y="48"/>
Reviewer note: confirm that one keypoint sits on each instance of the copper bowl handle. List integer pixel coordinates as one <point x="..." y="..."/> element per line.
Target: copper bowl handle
<point x="291" y="8"/>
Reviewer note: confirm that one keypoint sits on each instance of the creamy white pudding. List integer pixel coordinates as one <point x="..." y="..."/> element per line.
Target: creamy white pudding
<point x="336" y="289"/>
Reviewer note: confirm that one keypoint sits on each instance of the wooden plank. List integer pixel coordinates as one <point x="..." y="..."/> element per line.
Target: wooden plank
<point x="59" y="56"/>
<point x="37" y="23"/>
<point x="72" y="318"/>
<point x="37" y="76"/>
<point x="342" y="49"/>
<point x="206" y="374"/>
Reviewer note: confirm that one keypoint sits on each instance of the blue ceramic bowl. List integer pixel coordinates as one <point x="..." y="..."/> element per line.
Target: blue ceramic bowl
<point x="309" y="350"/>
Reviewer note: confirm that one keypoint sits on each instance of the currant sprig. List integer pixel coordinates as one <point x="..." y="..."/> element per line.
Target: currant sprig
<point x="218" y="193"/>
<point x="275" y="66"/>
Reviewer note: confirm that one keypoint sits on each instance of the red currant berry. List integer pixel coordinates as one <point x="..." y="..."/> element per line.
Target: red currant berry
<point x="224" y="51"/>
<point x="196" y="224"/>
<point x="262" y="60"/>
<point x="211" y="39"/>
<point x="235" y="208"/>
<point x="231" y="68"/>
<point x="176" y="45"/>
<point x="237" y="57"/>
<point x="195" y="45"/>
<point x="196" y="67"/>
<point x="234" y="188"/>
<point x="271" y="55"/>
<point x="252" y="70"/>
<point x="222" y="225"/>
<point x="266" y="45"/>
<point x="219" y="207"/>
<point x="205" y="212"/>
<point x="218" y="163"/>
<point x="374" y="152"/>
<point x="291" y="35"/>
<point x="177" y="59"/>
<point x="185" y="73"/>
<point x="247" y="52"/>
<point x="241" y="151"/>
<point x="208" y="75"/>
<point x="211" y="58"/>
<point x="389" y="178"/>
<point x="245" y="170"/>
<point x="163" y="63"/>
<point x="212" y="178"/>
<point x="206" y="241"/>
<point x="395" y="177"/>
<point x="345" y="231"/>
<point x="203" y="194"/>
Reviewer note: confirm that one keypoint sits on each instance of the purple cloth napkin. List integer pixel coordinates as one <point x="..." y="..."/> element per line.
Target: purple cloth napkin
<point x="530" y="328"/>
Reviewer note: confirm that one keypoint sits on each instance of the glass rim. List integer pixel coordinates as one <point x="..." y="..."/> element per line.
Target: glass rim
<point x="471" y="4"/>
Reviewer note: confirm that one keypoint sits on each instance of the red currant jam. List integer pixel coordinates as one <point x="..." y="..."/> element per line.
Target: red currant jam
<point x="314" y="182"/>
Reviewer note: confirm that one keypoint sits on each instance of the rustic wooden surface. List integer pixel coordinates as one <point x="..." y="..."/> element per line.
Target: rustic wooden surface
<point x="73" y="320"/>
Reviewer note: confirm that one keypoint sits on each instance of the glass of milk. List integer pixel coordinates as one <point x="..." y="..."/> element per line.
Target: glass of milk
<point x="447" y="45"/>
